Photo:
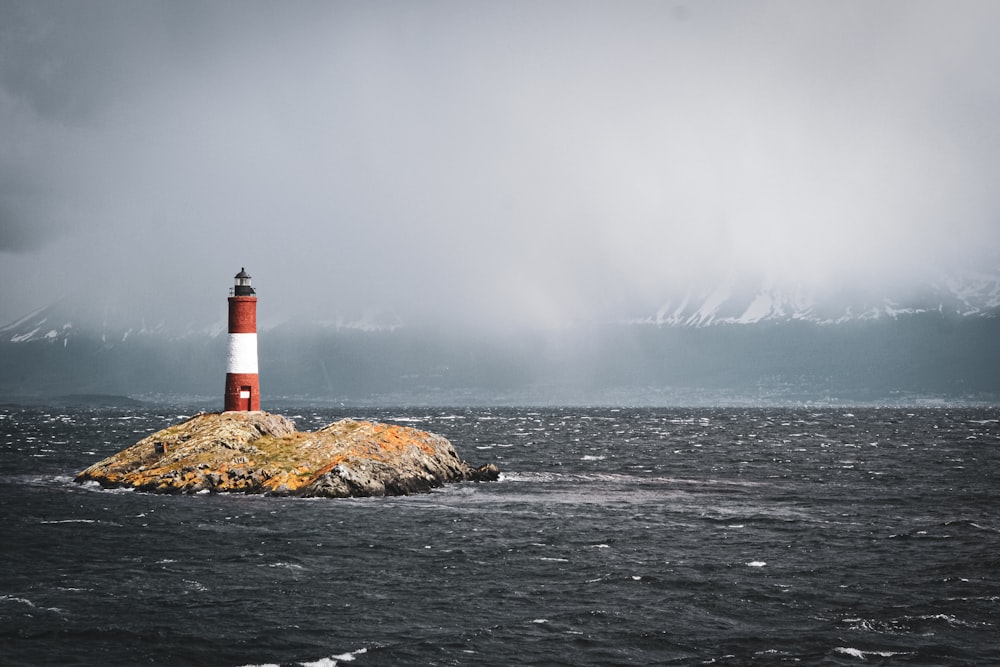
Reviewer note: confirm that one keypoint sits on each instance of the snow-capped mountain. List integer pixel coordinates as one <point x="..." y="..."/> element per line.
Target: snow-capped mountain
<point x="749" y="302"/>
<point x="971" y="294"/>
<point x="743" y="339"/>
<point x="733" y="302"/>
<point x="66" y="319"/>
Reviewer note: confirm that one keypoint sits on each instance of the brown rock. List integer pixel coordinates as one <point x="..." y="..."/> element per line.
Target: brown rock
<point x="257" y="452"/>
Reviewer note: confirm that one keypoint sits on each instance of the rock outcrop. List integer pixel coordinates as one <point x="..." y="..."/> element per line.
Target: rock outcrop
<point x="258" y="452"/>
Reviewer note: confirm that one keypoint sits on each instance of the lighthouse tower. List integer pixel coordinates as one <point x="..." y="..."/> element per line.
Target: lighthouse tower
<point x="242" y="384"/>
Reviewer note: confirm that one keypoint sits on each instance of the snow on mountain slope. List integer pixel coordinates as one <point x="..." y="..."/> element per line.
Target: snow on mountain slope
<point x="735" y="302"/>
<point x="36" y="325"/>
<point x="744" y="302"/>
<point x="971" y="294"/>
<point x="65" y="320"/>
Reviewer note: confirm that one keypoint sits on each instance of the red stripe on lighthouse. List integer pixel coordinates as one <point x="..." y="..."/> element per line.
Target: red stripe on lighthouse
<point x="242" y="314"/>
<point x="242" y="382"/>
<point x="242" y="392"/>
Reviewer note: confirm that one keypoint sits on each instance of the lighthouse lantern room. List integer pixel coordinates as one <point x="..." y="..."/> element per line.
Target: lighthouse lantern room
<point x="242" y="382"/>
<point x="243" y="287"/>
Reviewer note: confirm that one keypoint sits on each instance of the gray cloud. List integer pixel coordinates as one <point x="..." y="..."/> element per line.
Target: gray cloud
<point x="491" y="161"/>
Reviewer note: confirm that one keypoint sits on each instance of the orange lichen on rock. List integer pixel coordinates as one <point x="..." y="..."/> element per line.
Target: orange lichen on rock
<point x="257" y="452"/>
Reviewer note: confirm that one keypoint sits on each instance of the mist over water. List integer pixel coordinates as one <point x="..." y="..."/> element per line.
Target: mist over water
<point x="489" y="164"/>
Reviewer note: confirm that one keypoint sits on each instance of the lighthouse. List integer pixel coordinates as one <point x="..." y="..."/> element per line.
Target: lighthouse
<point x="242" y="384"/>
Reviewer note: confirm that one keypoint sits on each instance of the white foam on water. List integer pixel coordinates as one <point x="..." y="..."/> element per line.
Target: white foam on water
<point x="863" y="655"/>
<point x="856" y="653"/>
<point x="196" y="586"/>
<point x="286" y="566"/>
<point x="91" y="485"/>
<point x="592" y="457"/>
<point x="947" y="618"/>
<point x="756" y="563"/>
<point x="31" y="604"/>
<point x="71" y="521"/>
<point x="528" y="477"/>
<point x="13" y="598"/>
<point x="343" y="657"/>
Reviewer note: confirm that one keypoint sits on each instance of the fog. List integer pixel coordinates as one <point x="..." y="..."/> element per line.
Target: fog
<point x="490" y="163"/>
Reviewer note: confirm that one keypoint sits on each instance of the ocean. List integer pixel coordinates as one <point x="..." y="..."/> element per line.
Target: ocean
<point x="679" y="536"/>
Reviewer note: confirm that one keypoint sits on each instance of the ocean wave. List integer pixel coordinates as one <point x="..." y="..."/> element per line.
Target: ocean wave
<point x="331" y="661"/>
<point x="31" y="605"/>
<point x="529" y="476"/>
<point x="334" y="660"/>
<point x="863" y="655"/>
<point x="283" y="565"/>
<point x="91" y="485"/>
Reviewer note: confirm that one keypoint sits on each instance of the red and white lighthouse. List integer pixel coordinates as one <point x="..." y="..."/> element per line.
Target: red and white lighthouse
<point x="242" y="383"/>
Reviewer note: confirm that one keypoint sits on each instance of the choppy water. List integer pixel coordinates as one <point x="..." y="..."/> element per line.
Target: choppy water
<point x="665" y="536"/>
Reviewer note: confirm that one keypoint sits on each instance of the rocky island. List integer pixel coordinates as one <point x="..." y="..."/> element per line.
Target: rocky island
<point x="259" y="452"/>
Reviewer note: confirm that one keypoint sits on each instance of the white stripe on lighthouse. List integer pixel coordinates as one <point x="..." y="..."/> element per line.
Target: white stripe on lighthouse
<point x="242" y="354"/>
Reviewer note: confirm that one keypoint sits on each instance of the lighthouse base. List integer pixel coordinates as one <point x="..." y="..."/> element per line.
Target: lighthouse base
<point x="242" y="392"/>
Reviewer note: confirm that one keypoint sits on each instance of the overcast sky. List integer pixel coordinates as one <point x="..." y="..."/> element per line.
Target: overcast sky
<point x="489" y="161"/>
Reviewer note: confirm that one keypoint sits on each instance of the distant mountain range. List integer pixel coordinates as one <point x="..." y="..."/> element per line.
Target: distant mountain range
<point x="727" y="303"/>
<point x="742" y="342"/>
<point x="753" y="302"/>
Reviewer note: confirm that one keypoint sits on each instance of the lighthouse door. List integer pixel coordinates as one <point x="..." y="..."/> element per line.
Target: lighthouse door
<point x="245" y="399"/>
